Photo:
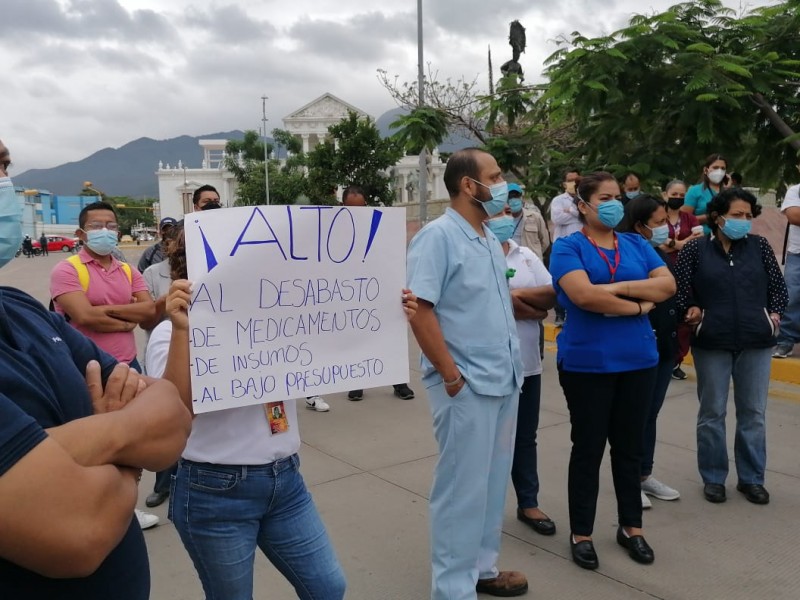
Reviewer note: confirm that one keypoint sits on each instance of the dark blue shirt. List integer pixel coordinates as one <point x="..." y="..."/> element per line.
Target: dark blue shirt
<point x="42" y="384"/>
<point x="591" y="342"/>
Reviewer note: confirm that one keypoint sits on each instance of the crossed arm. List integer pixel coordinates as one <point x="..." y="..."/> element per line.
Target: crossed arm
<point x="608" y="298"/>
<point x="108" y="318"/>
<point x="68" y="502"/>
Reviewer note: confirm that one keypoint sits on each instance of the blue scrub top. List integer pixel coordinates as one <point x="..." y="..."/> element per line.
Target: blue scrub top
<point x="464" y="276"/>
<point x="698" y="196"/>
<point x="590" y="342"/>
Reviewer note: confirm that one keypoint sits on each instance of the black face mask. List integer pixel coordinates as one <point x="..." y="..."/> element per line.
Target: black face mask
<point x="675" y="203"/>
<point x="211" y="206"/>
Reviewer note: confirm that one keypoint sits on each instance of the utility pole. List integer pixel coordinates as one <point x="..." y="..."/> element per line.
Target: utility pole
<point x="266" y="157"/>
<point x="423" y="156"/>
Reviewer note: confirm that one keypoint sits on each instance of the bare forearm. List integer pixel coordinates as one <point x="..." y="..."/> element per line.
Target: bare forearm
<point x="154" y="428"/>
<point x="150" y="432"/>
<point x="177" y="369"/>
<point x="96" y="319"/>
<point x="160" y="307"/>
<point x="90" y="441"/>
<point x="425" y="327"/>
<point x="654" y="289"/>
<point x="542" y="297"/>
<point x="136" y="312"/>
<point x="61" y="519"/>
<point x="523" y="312"/>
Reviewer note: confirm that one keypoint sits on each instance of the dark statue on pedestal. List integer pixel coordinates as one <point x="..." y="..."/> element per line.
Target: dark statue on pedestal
<point x="516" y="38"/>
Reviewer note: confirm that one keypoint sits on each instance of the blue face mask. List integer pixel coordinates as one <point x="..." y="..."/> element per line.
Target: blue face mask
<point x="659" y="235"/>
<point x="497" y="203"/>
<point x="736" y="229"/>
<point x="632" y="195"/>
<point x="502" y="227"/>
<point x="515" y="204"/>
<point x="101" y="241"/>
<point x="609" y="212"/>
<point x="10" y="222"/>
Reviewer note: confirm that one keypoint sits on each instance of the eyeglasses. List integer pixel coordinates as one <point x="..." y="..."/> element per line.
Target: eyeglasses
<point x="95" y="225"/>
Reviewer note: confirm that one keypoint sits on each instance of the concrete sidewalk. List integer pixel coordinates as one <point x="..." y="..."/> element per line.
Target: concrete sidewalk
<point x="369" y="467"/>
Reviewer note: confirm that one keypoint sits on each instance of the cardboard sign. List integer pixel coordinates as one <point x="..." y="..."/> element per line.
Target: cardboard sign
<point x="294" y="301"/>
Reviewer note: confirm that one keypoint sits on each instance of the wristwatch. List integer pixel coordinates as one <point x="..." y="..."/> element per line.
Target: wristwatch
<point x="671" y="243"/>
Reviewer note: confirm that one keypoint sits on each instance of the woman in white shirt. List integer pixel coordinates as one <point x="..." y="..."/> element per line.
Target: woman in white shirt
<point x="532" y="295"/>
<point x="238" y="484"/>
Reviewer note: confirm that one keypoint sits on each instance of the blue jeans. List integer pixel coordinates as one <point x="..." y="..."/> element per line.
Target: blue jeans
<point x="790" y="322"/>
<point x="663" y="377"/>
<point x="475" y="434"/>
<point x="222" y="512"/>
<point x="750" y="372"/>
<point x="524" y="472"/>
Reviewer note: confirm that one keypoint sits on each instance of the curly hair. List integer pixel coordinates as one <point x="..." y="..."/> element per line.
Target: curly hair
<point x="176" y="254"/>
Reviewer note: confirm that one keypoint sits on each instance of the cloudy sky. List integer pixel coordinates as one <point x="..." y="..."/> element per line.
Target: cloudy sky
<point x="82" y="75"/>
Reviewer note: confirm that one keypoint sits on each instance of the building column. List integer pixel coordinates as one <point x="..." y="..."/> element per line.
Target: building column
<point x="304" y="136"/>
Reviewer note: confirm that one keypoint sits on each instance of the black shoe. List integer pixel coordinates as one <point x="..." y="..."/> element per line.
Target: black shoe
<point x="638" y="549"/>
<point x="355" y="395"/>
<point x="156" y="499"/>
<point x="678" y="373"/>
<point x="540" y="526"/>
<point x="714" y="492"/>
<point x="583" y="554"/>
<point x="403" y="392"/>
<point x="754" y="492"/>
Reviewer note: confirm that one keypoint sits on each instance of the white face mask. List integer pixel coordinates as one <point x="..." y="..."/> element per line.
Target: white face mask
<point x="716" y="176"/>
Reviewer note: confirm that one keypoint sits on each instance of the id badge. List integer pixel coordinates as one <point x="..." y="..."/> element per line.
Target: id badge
<point x="276" y="415"/>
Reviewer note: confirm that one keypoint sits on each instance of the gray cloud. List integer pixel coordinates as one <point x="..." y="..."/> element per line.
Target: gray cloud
<point x="364" y="38"/>
<point x="227" y="24"/>
<point x="83" y="19"/>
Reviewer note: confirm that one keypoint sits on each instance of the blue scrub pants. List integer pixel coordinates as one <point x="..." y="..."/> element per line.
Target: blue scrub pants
<point x="475" y="434"/>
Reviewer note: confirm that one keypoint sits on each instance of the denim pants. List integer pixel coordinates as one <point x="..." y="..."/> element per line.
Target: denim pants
<point x="790" y="322"/>
<point x="524" y="471"/>
<point x="606" y="407"/>
<point x="222" y="512"/>
<point x="663" y="377"/>
<point x="475" y="435"/>
<point x="750" y="371"/>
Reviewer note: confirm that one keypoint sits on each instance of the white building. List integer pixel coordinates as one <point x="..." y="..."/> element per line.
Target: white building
<point x="310" y="123"/>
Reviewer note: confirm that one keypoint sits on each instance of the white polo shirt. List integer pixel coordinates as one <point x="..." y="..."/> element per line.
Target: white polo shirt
<point x="792" y="199"/>
<point x="530" y="272"/>
<point x="237" y="436"/>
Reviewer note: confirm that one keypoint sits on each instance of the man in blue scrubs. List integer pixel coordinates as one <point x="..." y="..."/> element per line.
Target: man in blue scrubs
<point x="472" y="372"/>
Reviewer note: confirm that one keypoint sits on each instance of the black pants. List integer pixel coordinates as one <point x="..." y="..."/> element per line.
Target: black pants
<point x="613" y="407"/>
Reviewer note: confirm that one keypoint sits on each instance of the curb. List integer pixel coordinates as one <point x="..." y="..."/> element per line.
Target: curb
<point x="785" y="370"/>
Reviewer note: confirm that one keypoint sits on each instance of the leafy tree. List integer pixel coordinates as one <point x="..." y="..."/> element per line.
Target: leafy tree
<point x="353" y="153"/>
<point x="131" y="212"/>
<point x="424" y="127"/>
<point x="245" y="159"/>
<point x="507" y="122"/>
<point x="660" y="94"/>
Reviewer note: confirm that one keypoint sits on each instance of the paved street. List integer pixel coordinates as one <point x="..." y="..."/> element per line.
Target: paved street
<point x="369" y="467"/>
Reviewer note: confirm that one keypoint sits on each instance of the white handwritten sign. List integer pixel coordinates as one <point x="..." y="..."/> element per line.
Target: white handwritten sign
<point x="293" y="301"/>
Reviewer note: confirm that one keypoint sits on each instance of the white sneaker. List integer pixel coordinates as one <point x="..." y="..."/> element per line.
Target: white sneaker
<point x="146" y="519"/>
<point x="655" y="488"/>
<point x="646" y="502"/>
<point x="317" y="403"/>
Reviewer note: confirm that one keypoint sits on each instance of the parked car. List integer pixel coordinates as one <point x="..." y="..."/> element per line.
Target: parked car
<point x="56" y="243"/>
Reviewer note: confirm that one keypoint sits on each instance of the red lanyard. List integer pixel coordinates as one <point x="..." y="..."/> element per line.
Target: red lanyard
<point x="611" y="269"/>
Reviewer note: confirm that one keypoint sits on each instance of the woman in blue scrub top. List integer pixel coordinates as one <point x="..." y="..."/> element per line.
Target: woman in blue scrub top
<point x="607" y="355"/>
<point x="700" y="194"/>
